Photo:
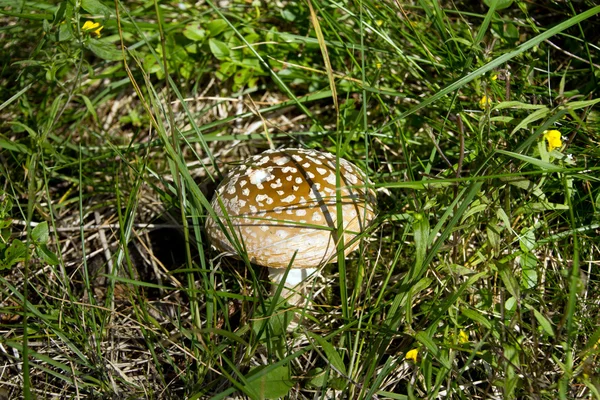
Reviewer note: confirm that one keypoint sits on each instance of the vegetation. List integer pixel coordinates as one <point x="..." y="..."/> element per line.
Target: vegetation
<point x="478" y="122"/>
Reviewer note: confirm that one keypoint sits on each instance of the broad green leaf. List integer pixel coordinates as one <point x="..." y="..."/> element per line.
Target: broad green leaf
<point x="510" y="304"/>
<point x="539" y="206"/>
<point x="90" y="107"/>
<point x="275" y="324"/>
<point x="511" y="32"/>
<point x="544" y="322"/>
<point x="575" y="105"/>
<point x="15" y="4"/>
<point x="531" y="160"/>
<point x="511" y="379"/>
<point x="46" y="255"/>
<point x="333" y="357"/>
<point x="501" y="214"/>
<point x="104" y="50"/>
<point x="529" y="274"/>
<point x="474" y="209"/>
<point x="535" y="116"/>
<point x="40" y="234"/>
<point x="13" y="146"/>
<point x="502" y="119"/>
<point x="427" y="341"/>
<point x="432" y="348"/>
<point x="517" y="105"/>
<point x="317" y="377"/>
<point x="500" y="5"/>
<point x="95" y="7"/>
<point x="273" y="385"/>
<point x="65" y="33"/>
<point x="509" y="280"/>
<point x="477" y="317"/>
<point x="216" y="27"/>
<point x="29" y="130"/>
<point x="527" y="239"/>
<point x="16" y="252"/>
<point x="219" y="49"/>
<point x="421" y="236"/>
<point x="493" y="234"/>
<point x="194" y="32"/>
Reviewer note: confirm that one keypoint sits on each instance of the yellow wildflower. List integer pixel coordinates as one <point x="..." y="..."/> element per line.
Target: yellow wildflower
<point x="554" y="139"/>
<point x="412" y="355"/>
<point x="463" y="337"/>
<point x="494" y="77"/>
<point x="378" y="65"/>
<point x="93" y="27"/>
<point x="485" y="102"/>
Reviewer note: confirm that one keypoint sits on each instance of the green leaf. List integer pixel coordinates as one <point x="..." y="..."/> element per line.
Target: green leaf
<point x="512" y="362"/>
<point x="421" y="236"/>
<point x="241" y="77"/>
<point x="90" y="107"/>
<point x="544" y="322"/>
<point x="527" y="240"/>
<point x="5" y="207"/>
<point x="534" y="161"/>
<point x="95" y="7"/>
<point x="333" y="357"/>
<point x="427" y="341"/>
<point x="575" y="105"/>
<point x="537" y="207"/>
<point x="517" y="105"/>
<point x="493" y="234"/>
<point x="317" y="378"/>
<point x="529" y="274"/>
<point x="509" y="280"/>
<point x="537" y="115"/>
<point x="33" y="134"/>
<point x="65" y="33"/>
<point x="219" y="49"/>
<point x="106" y="51"/>
<point x="423" y="338"/>
<point x="194" y="32"/>
<point x="13" y="146"/>
<point x="46" y="255"/>
<point x="216" y="27"/>
<point x="288" y="14"/>
<point x="274" y="325"/>
<point x="510" y="304"/>
<point x="41" y="233"/>
<point x="500" y="5"/>
<point x="272" y="385"/>
<point x="477" y="317"/>
<point x="14" y="254"/>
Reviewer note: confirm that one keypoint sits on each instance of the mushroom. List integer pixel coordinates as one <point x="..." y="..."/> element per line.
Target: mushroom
<point x="281" y="206"/>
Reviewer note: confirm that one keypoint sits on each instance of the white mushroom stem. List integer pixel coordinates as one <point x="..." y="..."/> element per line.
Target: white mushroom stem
<point x="296" y="281"/>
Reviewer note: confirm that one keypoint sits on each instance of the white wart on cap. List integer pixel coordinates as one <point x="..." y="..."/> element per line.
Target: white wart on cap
<point x="282" y="202"/>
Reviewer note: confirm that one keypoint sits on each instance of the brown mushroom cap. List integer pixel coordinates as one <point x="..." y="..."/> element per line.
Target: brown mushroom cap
<point x="283" y="201"/>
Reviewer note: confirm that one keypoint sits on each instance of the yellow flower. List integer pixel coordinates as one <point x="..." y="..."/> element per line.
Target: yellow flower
<point x="93" y="27"/>
<point x="494" y="77"/>
<point x="463" y="337"/>
<point x="554" y="139"/>
<point x="485" y="102"/>
<point x="412" y="355"/>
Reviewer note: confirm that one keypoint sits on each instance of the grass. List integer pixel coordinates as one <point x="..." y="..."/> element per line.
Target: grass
<point x="478" y="279"/>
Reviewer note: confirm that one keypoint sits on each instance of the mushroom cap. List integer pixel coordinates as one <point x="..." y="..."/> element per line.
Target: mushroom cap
<point x="284" y="201"/>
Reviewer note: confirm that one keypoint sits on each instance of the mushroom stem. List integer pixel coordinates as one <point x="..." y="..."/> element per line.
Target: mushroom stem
<point x="297" y="279"/>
